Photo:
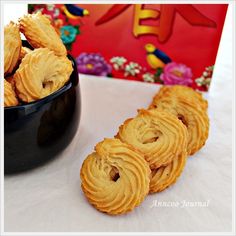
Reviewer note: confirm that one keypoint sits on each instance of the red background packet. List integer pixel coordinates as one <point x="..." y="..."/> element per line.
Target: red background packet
<point x="157" y="43"/>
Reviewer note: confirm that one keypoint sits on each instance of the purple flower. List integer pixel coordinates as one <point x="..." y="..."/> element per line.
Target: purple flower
<point x="175" y="73"/>
<point x="93" y="64"/>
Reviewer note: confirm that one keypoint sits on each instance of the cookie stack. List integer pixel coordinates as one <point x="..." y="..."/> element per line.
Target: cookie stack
<point x="33" y="74"/>
<point x="148" y="153"/>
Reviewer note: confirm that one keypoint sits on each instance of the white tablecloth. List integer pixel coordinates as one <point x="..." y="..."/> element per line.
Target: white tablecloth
<point x="49" y="198"/>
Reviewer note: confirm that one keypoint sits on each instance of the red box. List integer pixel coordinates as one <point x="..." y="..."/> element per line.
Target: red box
<point x="158" y="43"/>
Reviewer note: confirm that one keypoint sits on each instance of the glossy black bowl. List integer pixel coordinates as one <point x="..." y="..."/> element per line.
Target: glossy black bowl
<point x="36" y="132"/>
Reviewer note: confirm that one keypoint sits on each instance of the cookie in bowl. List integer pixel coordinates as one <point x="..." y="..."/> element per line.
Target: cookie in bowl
<point x="41" y="73"/>
<point x="41" y="95"/>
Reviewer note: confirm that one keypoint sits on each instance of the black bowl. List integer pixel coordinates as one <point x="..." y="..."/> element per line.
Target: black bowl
<point x="38" y="131"/>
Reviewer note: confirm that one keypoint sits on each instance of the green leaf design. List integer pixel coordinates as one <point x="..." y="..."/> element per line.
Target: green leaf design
<point x="69" y="46"/>
<point x="30" y="8"/>
<point x="77" y="29"/>
<point x="159" y="71"/>
<point x="157" y="75"/>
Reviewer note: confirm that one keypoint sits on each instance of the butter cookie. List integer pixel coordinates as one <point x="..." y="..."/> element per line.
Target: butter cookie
<point x="10" y="98"/>
<point x="115" y="178"/>
<point x="196" y="120"/>
<point x="184" y="91"/>
<point x="165" y="176"/>
<point x="40" y="33"/>
<point x="12" y="47"/>
<point x="41" y="73"/>
<point x="159" y="135"/>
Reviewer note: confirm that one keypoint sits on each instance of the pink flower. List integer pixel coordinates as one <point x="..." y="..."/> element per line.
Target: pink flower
<point x="175" y="73"/>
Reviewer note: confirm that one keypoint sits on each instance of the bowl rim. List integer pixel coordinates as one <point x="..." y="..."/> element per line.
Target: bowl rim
<point x="51" y="96"/>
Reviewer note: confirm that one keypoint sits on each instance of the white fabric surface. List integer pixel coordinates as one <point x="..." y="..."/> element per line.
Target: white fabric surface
<point x="49" y="198"/>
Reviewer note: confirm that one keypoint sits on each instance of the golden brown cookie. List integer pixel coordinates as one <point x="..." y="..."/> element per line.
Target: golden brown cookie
<point x="40" y="33"/>
<point x="12" y="46"/>
<point x="115" y="178"/>
<point x="41" y="73"/>
<point x="195" y="119"/>
<point x="9" y="95"/>
<point x="180" y="90"/>
<point x="157" y="134"/>
<point x="165" y="176"/>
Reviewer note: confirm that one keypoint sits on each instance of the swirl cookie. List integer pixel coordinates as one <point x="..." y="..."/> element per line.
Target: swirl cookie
<point x="41" y="73"/>
<point x="157" y="134"/>
<point x="12" y="47"/>
<point x="196" y="120"/>
<point x="165" y="176"/>
<point x="40" y="33"/>
<point x="115" y="178"/>
<point x="9" y="95"/>
<point x="180" y="90"/>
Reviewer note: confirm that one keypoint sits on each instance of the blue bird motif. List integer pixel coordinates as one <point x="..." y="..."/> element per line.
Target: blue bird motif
<point x="155" y="57"/>
<point x="74" y="12"/>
